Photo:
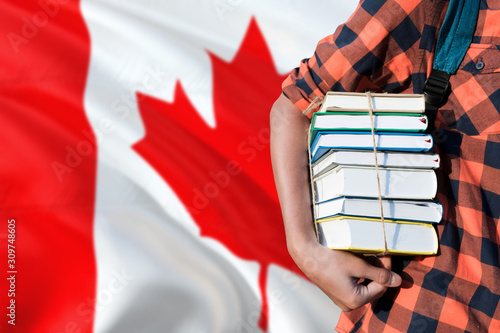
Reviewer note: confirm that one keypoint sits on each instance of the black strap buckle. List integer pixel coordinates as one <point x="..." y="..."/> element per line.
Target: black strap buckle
<point x="437" y="88"/>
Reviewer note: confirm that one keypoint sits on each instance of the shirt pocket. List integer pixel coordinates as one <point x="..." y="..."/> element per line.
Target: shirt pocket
<point x="482" y="59"/>
<point x="473" y="106"/>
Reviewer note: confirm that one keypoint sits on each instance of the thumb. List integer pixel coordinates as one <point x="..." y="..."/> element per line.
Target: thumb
<point x="383" y="276"/>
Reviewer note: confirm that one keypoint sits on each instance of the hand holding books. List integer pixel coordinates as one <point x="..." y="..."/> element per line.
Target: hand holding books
<point x="337" y="273"/>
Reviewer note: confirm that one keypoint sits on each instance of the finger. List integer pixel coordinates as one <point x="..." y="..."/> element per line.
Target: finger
<point x="382" y="276"/>
<point x="374" y="291"/>
<point x="366" y="293"/>
<point x="386" y="262"/>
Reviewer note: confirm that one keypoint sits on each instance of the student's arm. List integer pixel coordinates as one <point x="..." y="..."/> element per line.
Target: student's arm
<point x="336" y="273"/>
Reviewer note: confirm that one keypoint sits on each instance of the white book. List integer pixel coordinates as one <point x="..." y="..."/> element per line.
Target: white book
<point x="413" y="184"/>
<point x="341" y="101"/>
<point x="367" y="158"/>
<point x="366" y="236"/>
<point x="401" y="210"/>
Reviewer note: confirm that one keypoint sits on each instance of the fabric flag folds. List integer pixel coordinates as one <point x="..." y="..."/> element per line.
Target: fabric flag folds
<point x="137" y="192"/>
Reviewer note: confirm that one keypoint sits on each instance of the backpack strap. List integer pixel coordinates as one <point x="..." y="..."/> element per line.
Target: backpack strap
<point x="454" y="39"/>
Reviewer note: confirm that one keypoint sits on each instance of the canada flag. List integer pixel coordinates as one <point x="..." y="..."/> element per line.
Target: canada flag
<point x="136" y="188"/>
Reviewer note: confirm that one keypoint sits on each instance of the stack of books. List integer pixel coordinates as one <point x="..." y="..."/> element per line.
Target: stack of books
<point x="344" y="177"/>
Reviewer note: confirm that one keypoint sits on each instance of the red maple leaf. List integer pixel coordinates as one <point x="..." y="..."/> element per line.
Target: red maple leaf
<point x="223" y="175"/>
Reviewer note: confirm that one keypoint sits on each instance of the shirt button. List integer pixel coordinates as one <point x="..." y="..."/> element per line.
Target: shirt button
<point x="479" y="65"/>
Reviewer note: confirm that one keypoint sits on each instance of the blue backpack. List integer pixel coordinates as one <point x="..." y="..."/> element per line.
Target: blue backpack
<point x="454" y="39"/>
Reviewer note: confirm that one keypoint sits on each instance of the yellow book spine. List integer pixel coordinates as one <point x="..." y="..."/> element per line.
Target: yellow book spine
<point x="345" y="217"/>
<point x="375" y="251"/>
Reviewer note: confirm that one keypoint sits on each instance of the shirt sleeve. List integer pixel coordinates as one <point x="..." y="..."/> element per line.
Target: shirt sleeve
<point x="376" y="49"/>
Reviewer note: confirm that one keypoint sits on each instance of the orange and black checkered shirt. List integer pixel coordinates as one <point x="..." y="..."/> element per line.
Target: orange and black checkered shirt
<point x="387" y="46"/>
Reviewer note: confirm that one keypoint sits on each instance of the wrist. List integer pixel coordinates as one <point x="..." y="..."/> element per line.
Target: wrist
<point x="300" y="246"/>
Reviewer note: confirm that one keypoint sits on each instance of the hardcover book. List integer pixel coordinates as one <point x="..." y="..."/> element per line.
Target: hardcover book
<point x="360" y="121"/>
<point x="385" y="141"/>
<point x="402" y="210"/>
<point x="367" y="236"/>
<point x="332" y="158"/>
<point x="342" y="101"/>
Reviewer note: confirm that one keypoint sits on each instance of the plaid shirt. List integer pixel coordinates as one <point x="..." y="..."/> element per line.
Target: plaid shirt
<point x="388" y="46"/>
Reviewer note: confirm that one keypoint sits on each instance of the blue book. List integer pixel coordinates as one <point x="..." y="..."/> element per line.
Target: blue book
<point x="385" y="141"/>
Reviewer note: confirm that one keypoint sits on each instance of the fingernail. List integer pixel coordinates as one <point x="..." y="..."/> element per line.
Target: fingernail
<point x="393" y="279"/>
